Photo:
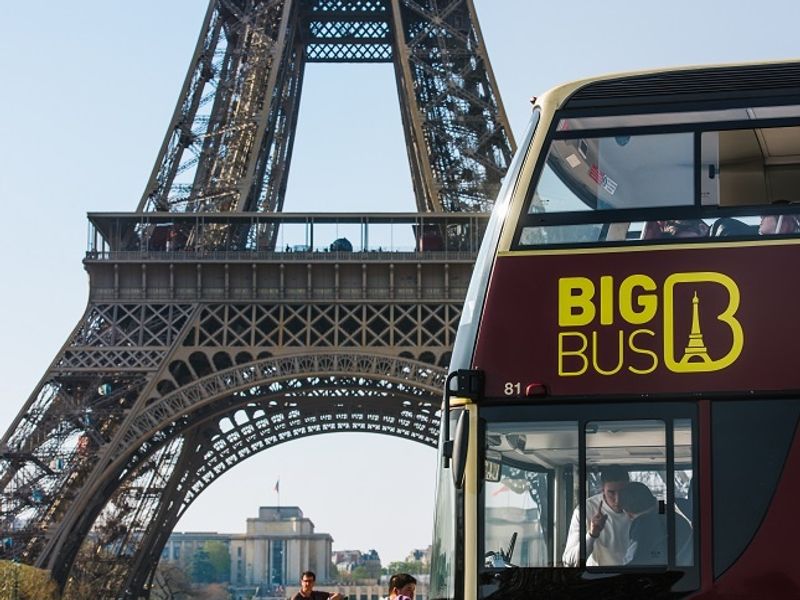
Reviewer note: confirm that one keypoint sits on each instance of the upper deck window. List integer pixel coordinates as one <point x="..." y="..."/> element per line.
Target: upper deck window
<point x="625" y="178"/>
<point x="623" y="171"/>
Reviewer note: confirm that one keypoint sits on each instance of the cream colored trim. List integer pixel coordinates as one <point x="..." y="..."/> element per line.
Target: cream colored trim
<point x="547" y="106"/>
<point x="649" y="248"/>
<point x="471" y="509"/>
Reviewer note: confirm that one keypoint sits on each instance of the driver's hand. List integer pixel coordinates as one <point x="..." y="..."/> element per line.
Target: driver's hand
<point x="598" y="521"/>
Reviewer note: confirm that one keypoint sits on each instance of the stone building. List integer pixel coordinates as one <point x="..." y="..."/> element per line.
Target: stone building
<point x="277" y="546"/>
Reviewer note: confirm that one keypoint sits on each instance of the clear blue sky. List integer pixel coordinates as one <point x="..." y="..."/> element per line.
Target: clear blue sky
<point x="88" y="89"/>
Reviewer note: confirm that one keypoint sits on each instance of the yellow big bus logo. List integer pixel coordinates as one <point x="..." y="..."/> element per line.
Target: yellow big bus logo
<point x="583" y="310"/>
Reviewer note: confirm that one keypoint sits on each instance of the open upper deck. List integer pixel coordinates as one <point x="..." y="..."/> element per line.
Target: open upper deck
<point x="696" y="153"/>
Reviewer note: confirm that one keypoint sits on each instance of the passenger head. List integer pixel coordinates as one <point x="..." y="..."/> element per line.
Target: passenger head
<point x="307" y="581"/>
<point x="613" y="479"/>
<point x="637" y="498"/>
<point x="683" y="228"/>
<point x="402" y="584"/>
<point x="777" y="224"/>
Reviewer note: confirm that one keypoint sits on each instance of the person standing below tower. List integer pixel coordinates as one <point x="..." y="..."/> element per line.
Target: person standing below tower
<point x="402" y="586"/>
<point x="307" y="581"/>
<point x="607" y="525"/>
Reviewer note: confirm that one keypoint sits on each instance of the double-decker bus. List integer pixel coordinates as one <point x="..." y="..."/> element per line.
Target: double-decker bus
<point x="632" y="312"/>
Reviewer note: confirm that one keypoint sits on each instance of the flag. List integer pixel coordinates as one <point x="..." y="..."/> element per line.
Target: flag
<point x="277" y="487"/>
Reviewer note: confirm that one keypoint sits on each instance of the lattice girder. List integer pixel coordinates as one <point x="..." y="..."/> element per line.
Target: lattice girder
<point x="228" y="147"/>
<point x="283" y="399"/>
<point x="286" y="377"/>
<point x="417" y="327"/>
<point x="241" y="431"/>
<point x="52" y="448"/>
<point x="470" y="149"/>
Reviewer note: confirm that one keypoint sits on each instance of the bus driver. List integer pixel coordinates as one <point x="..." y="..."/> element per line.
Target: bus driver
<point x="607" y="525"/>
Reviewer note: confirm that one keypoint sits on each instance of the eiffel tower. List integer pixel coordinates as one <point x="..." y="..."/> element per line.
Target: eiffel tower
<point x="206" y="341"/>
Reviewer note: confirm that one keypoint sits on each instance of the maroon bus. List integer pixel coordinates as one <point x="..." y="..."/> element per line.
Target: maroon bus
<point x="621" y="413"/>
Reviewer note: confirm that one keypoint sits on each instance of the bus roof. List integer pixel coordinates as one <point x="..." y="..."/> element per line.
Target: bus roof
<point x="637" y="89"/>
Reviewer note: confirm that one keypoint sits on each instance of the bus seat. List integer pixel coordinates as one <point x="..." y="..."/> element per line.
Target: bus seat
<point x="728" y="226"/>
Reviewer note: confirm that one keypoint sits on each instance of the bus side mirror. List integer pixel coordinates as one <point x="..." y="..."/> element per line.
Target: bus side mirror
<point x="460" y="447"/>
<point x="467" y="383"/>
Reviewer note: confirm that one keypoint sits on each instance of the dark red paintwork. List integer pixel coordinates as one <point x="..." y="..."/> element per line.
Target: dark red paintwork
<point x="518" y="336"/>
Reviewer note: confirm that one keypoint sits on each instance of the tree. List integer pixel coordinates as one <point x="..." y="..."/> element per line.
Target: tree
<point x="220" y="558"/>
<point x="171" y="583"/>
<point x="96" y="573"/>
<point x="414" y="567"/>
<point x="202" y="568"/>
<point x="27" y="583"/>
<point x="366" y="571"/>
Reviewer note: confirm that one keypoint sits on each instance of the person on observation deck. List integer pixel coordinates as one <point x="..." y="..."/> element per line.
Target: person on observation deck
<point x="402" y="586"/>
<point x="607" y="525"/>
<point x="307" y="581"/>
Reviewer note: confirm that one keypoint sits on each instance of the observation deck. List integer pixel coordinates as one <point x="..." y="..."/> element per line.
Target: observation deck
<point x="285" y="256"/>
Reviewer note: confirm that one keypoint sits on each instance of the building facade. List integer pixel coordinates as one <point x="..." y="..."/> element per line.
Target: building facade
<point x="277" y="546"/>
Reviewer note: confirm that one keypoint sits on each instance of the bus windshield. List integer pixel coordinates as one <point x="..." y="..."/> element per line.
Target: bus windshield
<point x="543" y="466"/>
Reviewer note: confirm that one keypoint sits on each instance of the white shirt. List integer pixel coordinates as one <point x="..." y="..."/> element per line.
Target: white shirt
<point x="609" y="548"/>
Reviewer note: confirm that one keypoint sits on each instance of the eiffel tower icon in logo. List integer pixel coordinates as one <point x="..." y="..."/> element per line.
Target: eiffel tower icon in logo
<point x="695" y="350"/>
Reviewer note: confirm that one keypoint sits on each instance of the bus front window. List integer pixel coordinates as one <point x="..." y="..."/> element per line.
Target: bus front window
<point x="624" y="171"/>
<point x="608" y="494"/>
<point x="523" y="503"/>
<point x="626" y="494"/>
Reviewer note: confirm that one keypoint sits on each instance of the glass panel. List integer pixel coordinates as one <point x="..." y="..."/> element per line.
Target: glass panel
<point x="562" y="234"/>
<point x="473" y="303"/>
<point x="443" y="551"/>
<point x="624" y="171"/>
<point x="626" y="493"/>
<point x="684" y="493"/>
<point x="751" y="441"/>
<point x="741" y="169"/>
<point x="751" y="166"/>
<point x="527" y="502"/>
<point x="532" y="489"/>
<point x="276" y="576"/>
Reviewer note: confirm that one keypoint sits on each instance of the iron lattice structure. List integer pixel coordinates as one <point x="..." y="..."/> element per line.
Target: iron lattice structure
<point x="203" y="341"/>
